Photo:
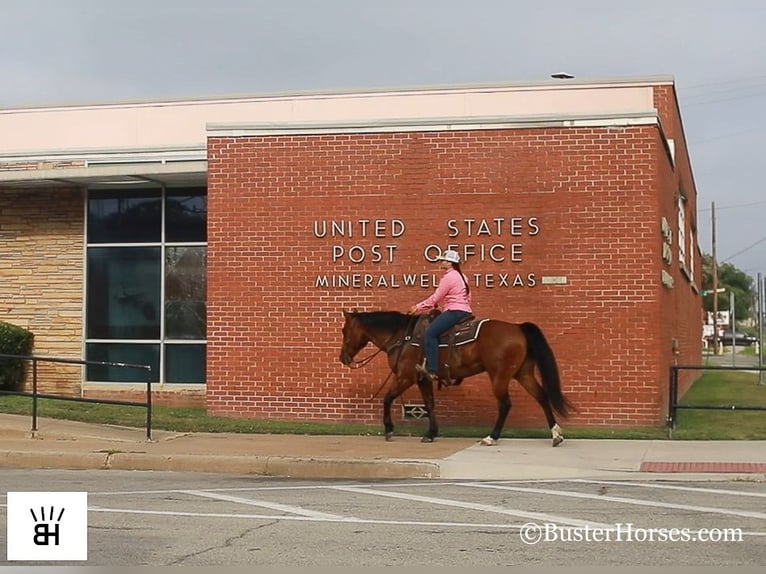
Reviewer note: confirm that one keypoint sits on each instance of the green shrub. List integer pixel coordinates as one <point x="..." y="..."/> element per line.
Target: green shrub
<point x="14" y="341"/>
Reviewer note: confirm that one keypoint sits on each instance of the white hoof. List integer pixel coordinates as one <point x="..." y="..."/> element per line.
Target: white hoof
<point x="488" y="441"/>
<point x="558" y="438"/>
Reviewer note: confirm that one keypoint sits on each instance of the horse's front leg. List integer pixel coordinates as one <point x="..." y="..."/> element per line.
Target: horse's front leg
<point x="427" y="392"/>
<point x="388" y="425"/>
<point x="401" y="384"/>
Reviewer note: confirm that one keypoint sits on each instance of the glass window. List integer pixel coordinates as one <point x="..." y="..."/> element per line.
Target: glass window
<point x="133" y="353"/>
<point x="185" y="292"/>
<point x="123" y="297"/>
<point x="682" y="231"/>
<point x="691" y="255"/>
<point x="147" y="303"/>
<point x="186" y="216"/>
<point x="125" y="217"/>
<point x="185" y="364"/>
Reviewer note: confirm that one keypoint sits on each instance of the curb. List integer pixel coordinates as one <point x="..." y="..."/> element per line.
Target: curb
<point x="280" y="466"/>
<point x="297" y="467"/>
<point x="67" y="461"/>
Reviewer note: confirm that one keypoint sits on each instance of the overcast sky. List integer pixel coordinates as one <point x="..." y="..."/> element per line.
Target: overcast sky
<point x="78" y="51"/>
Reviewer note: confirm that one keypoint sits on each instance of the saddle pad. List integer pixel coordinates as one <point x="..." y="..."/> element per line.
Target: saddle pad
<point x="465" y="333"/>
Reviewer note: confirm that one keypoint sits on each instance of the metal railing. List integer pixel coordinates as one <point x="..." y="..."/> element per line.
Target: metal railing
<point x="674" y="405"/>
<point x="37" y="395"/>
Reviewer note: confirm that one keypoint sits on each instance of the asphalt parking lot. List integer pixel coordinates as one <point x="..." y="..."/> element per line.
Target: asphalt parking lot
<point x="193" y="519"/>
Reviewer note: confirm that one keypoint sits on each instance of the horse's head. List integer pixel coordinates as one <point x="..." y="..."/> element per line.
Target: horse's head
<point x="354" y="338"/>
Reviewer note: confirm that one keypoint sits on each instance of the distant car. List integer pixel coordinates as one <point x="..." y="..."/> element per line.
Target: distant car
<point x="740" y="339"/>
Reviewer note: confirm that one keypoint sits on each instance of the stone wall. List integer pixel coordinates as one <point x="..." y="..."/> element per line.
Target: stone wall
<point x="41" y="276"/>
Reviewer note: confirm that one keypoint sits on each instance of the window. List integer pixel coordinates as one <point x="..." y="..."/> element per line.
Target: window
<point x="127" y="217"/>
<point x="682" y="231"/>
<point x="185" y="309"/>
<point x="691" y="255"/>
<point x="123" y="293"/>
<point x="145" y="300"/>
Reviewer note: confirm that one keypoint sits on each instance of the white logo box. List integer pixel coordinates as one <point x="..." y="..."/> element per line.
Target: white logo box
<point x="44" y="526"/>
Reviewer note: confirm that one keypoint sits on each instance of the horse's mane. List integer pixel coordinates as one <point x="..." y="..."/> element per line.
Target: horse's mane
<point x="388" y="321"/>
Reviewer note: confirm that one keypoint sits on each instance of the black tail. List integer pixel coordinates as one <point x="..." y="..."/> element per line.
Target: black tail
<point x="542" y="353"/>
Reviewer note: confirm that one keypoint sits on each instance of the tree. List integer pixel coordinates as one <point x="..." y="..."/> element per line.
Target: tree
<point x="734" y="281"/>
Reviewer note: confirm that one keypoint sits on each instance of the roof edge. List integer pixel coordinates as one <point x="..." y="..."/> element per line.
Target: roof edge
<point x="72" y="174"/>
<point x="573" y="83"/>
<point x="241" y="129"/>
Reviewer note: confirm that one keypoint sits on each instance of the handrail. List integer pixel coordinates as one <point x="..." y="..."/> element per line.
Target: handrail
<point x="673" y="404"/>
<point x="35" y="395"/>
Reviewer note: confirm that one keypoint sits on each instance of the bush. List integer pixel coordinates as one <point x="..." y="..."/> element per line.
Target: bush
<point x="14" y="341"/>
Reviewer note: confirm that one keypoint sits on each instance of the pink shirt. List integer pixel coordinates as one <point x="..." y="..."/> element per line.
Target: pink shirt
<point x="450" y="295"/>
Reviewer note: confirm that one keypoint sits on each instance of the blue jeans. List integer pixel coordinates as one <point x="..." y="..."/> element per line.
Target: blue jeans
<point x="442" y="322"/>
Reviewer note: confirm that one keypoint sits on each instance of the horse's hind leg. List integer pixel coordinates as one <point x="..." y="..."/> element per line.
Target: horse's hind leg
<point x="500" y="390"/>
<point x="527" y="380"/>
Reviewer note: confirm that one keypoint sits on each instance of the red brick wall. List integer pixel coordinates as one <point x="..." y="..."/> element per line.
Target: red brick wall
<point x="681" y="306"/>
<point x="596" y="196"/>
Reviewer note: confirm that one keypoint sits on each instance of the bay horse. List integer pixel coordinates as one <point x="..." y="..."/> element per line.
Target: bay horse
<point x="503" y="350"/>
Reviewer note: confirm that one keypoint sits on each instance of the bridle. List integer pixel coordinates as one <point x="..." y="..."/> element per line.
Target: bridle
<point x="363" y="362"/>
<point x="387" y="347"/>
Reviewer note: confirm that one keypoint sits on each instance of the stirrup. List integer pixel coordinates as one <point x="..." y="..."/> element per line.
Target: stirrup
<point x="424" y="373"/>
<point x="448" y="382"/>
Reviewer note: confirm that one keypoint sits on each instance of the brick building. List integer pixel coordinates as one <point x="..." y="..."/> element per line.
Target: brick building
<point x="219" y="240"/>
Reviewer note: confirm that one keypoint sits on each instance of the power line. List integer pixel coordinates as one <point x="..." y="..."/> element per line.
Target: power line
<point x="717" y="92"/>
<point x="734" y="206"/>
<point x="722" y="82"/>
<point x="704" y="102"/>
<point x="728" y="135"/>
<point x="721" y="91"/>
<point x="741" y="251"/>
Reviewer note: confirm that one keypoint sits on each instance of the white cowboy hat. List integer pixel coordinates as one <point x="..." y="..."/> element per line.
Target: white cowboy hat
<point x="449" y="255"/>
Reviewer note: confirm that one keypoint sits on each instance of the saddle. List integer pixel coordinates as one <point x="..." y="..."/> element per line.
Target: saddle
<point x="462" y="333"/>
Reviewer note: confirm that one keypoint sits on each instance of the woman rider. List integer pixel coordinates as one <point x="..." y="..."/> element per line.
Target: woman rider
<point x="453" y="297"/>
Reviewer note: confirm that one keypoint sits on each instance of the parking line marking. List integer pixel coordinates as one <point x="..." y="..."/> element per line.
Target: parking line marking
<point x="349" y="520"/>
<point x="622" y="500"/>
<point x="264" y="504"/>
<point x="673" y="487"/>
<point x="536" y="516"/>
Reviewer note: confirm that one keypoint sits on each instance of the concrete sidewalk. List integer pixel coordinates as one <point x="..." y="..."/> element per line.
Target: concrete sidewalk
<point x="72" y="445"/>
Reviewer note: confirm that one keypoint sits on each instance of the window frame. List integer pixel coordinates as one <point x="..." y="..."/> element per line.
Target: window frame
<point x="162" y="341"/>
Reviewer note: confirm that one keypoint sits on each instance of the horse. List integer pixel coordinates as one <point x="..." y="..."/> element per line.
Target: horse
<point x="503" y="350"/>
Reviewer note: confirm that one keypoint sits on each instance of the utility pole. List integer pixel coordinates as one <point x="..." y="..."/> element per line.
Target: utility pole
<point x="733" y="329"/>
<point x="715" y="287"/>
<point x="760" y="329"/>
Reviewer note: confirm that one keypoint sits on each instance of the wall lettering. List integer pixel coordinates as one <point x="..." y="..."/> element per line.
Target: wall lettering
<point x="497" y="240"/>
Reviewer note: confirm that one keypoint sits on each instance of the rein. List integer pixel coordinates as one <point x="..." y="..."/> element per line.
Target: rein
<point x="362" y="362"/>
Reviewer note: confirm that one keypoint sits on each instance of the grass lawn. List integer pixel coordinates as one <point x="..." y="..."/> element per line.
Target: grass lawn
<point x="713" y="388"/>
<point x="723" y="389"/>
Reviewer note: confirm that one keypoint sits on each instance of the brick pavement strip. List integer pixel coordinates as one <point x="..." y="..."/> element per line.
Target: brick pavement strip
<point x="724" y="467"/>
